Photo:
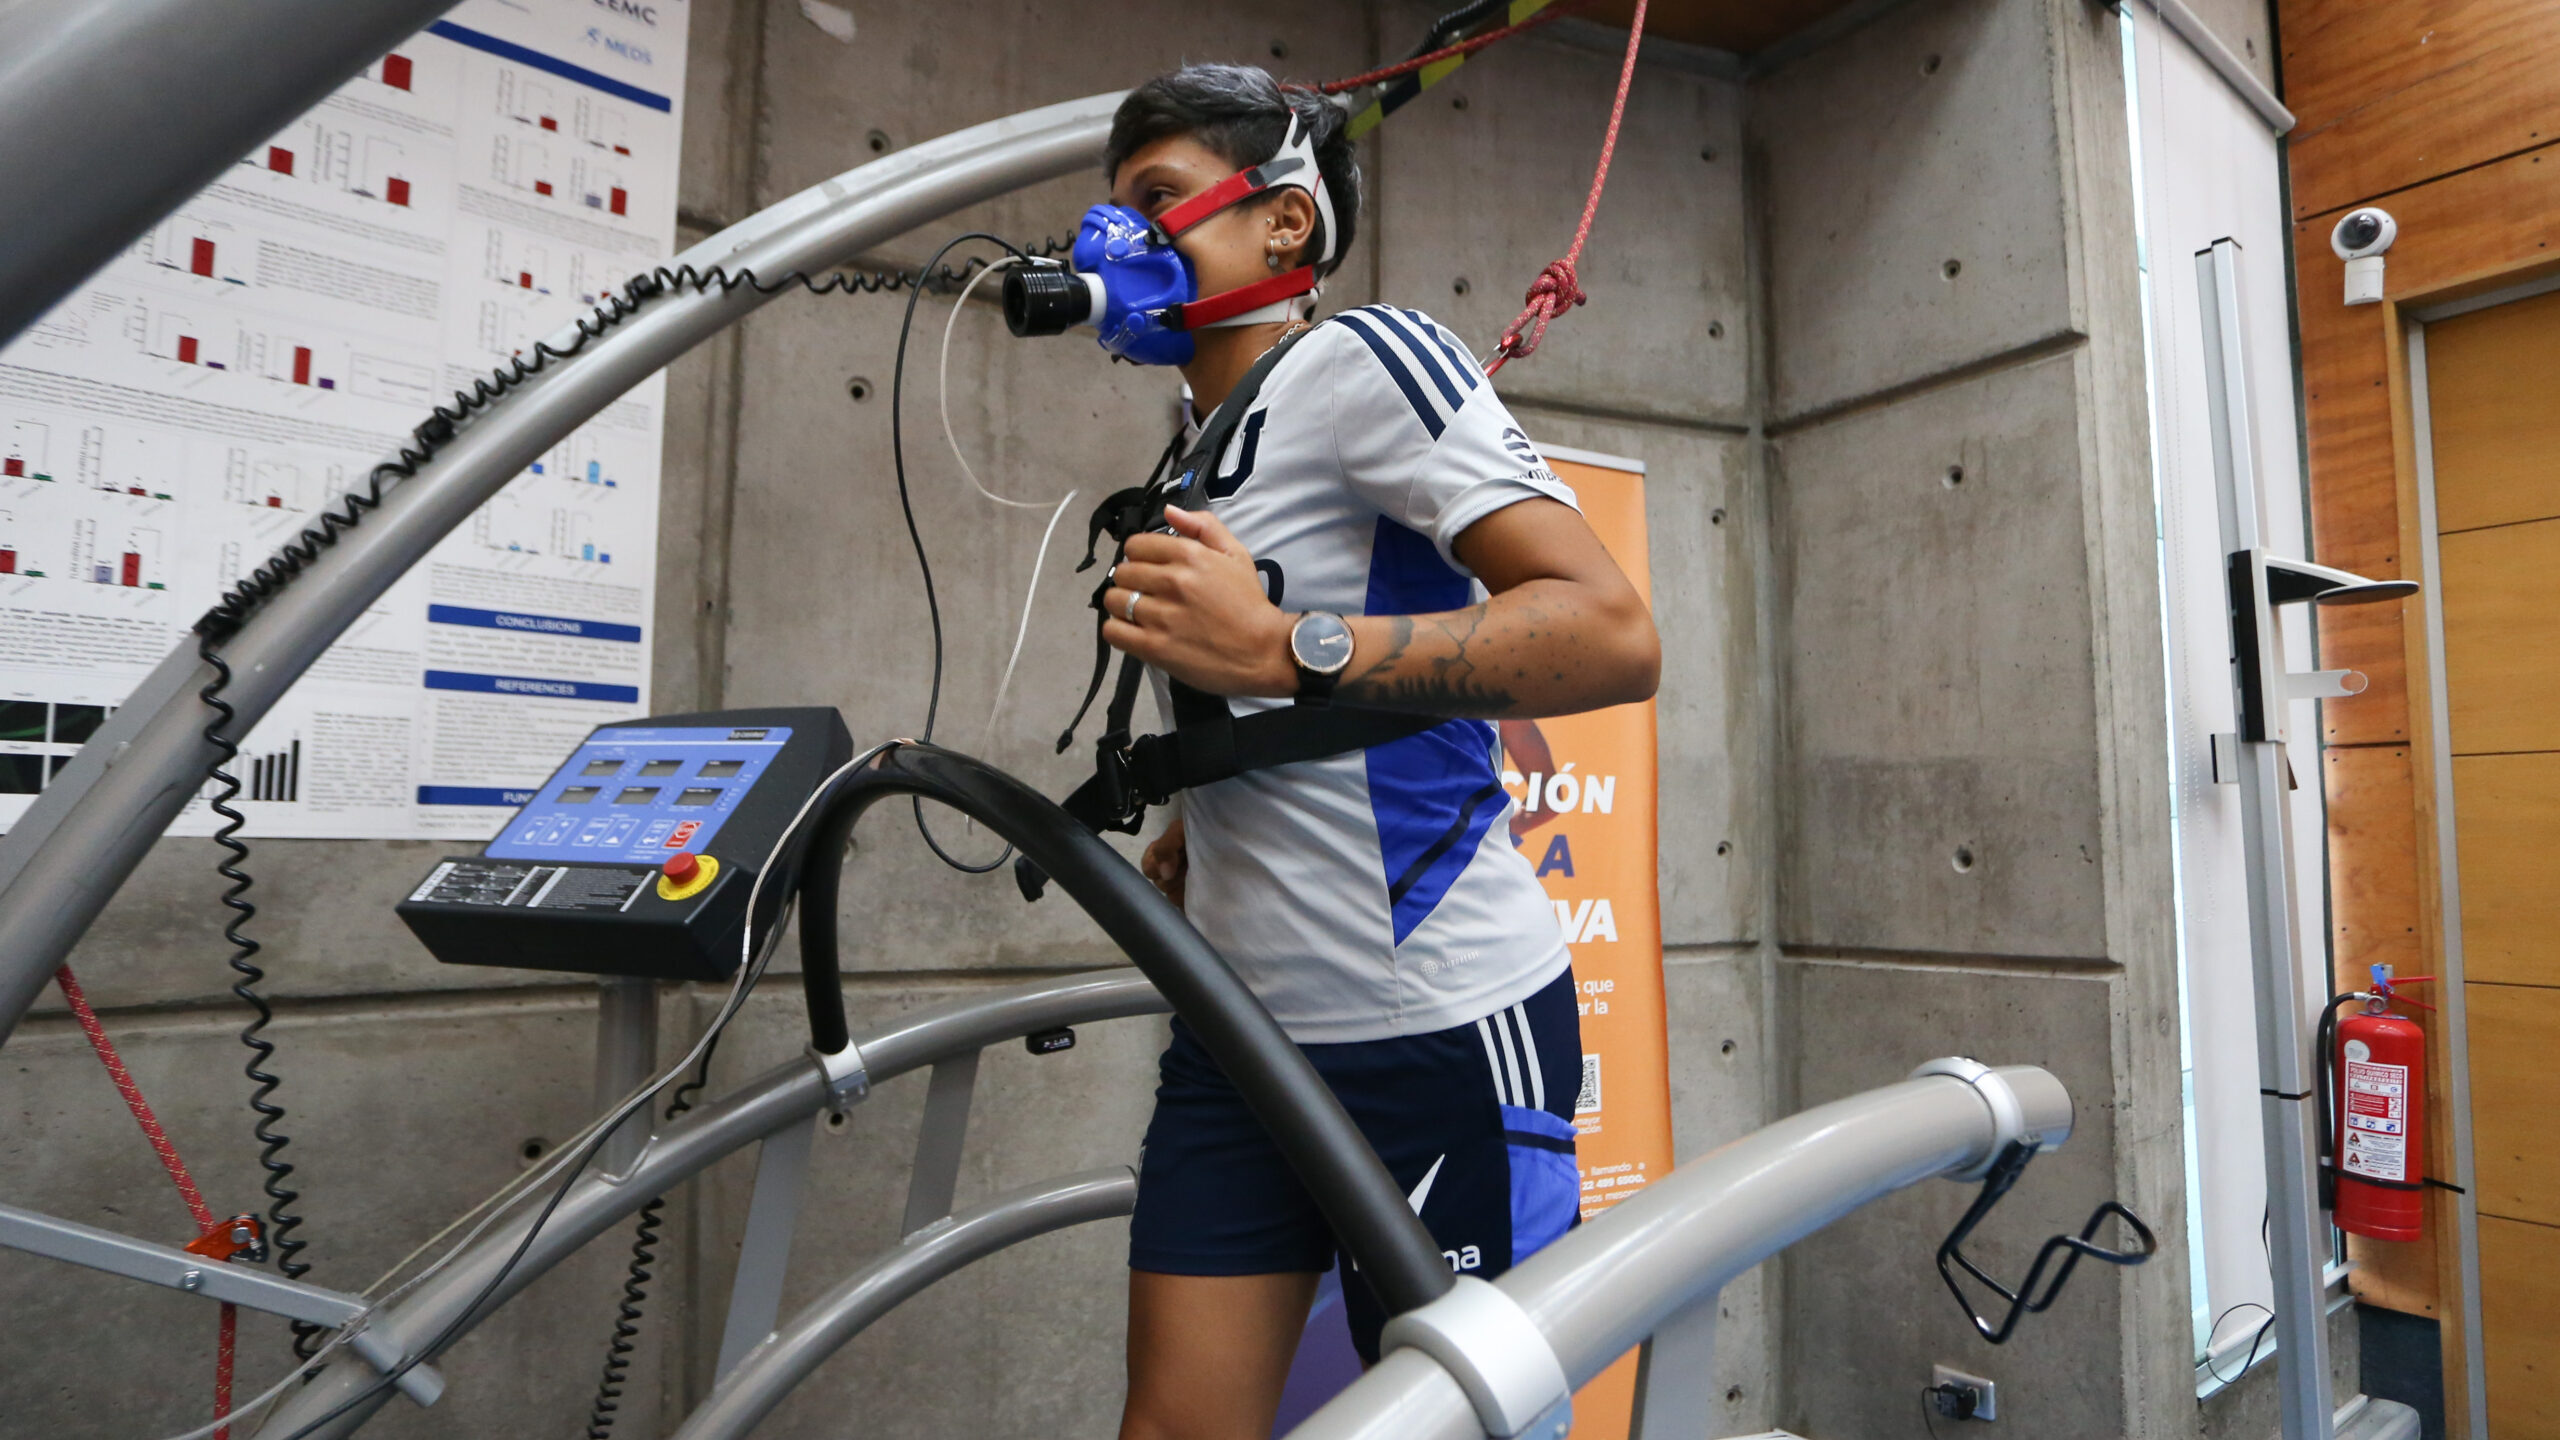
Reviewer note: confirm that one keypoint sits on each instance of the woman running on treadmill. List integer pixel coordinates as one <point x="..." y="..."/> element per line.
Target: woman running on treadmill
<point x="1429" y="563"/>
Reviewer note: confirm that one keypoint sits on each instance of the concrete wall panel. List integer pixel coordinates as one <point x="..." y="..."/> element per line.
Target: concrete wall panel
<point x="1866" y="1315"/>
<point x="721" y="74"/>
<point x="1485" y="178"/>
<point x="1915" y="201"/>
<point x="324" y="925"/>
<point x="402" y="1118"/>
<point x="1719" y="1064"/>
<point x="1702" y="603"/>
<point x="1719" y="1092"/>
<point x="1941" y="787"/>
<point x="915" y="72"/>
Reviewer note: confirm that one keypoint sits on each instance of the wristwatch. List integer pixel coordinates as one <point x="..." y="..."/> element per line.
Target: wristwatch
<point x="1320" y="646"/>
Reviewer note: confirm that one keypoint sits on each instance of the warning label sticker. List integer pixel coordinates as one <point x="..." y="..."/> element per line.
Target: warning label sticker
<point x="2376" y="1142"/>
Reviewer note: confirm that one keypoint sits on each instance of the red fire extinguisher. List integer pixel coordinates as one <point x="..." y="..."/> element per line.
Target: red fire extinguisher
<point x="2372" y="1126"/>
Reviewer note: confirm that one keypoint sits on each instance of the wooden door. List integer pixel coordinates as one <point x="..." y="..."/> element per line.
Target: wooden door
<point x="2493" y="394"/>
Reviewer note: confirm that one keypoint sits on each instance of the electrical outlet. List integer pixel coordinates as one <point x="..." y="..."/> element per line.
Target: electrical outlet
<point x="1947" y="1383"/>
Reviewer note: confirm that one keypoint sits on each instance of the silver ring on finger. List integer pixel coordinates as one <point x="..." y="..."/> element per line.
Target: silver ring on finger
<point x="1132" y="615"/>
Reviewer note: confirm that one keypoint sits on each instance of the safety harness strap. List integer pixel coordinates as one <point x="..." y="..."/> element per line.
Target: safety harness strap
<point x="1208" y="742"/>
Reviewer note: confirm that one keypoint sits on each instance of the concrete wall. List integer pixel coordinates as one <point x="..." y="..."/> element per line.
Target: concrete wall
<point x="1971" y="822"/>
<point x="785" y="578"/>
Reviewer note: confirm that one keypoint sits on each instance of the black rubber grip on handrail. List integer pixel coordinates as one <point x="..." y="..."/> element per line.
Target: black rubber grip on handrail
<point x="1350" y="1185"/>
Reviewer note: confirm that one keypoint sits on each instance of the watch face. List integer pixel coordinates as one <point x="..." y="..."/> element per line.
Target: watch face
<point x="1321" y="643"/>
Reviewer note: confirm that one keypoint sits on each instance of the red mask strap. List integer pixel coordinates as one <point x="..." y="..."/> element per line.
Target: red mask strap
<point x="1200" y="314"/>
<point x="1242" y="185"/>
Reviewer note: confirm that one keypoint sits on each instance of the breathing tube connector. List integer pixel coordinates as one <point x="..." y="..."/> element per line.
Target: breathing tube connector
<point x="1046" y="298"/>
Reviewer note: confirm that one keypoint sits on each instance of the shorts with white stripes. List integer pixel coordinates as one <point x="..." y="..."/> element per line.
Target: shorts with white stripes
<point x="1475" y="1122"/>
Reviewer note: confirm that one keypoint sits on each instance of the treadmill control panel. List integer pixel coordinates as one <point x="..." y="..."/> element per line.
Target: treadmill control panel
<point x="637" y="855"/>
<point x="637" y="794"/>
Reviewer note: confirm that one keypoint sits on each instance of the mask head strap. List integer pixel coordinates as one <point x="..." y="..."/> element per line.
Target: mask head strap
<point x="1294" y="165"/>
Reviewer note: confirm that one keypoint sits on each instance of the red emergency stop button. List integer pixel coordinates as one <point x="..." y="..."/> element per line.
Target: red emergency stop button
<point x="685" y="876"/>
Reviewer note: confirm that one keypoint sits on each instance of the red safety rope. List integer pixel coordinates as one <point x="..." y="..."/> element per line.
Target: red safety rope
<point x="1464" y="47"/>
<point x="1556" y="289"/>
<point x="205" y="1223"/>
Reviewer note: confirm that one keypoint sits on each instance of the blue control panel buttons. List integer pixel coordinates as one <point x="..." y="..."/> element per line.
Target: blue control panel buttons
<point x="641" y="794"/>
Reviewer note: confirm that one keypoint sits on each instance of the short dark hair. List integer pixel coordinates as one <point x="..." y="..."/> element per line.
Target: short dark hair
<point x="1242" y="115"/>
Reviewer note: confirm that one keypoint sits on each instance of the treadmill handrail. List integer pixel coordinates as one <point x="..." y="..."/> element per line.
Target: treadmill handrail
<point x="780" y="1096"/>
<point x="1342" y="1173"/>
<point x="1610" y="1282"/>
<point x="66" y="857"/>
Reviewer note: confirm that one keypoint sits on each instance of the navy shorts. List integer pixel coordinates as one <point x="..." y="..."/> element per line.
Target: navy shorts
<point x="1475" y="1122"/>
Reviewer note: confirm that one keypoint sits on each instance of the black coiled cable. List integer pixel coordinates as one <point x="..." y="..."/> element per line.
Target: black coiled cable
<point x="271" y="1142"/>
<point x="233" y="609"/>
<point x="635" y="1281"/>
<point x="626" y="1322"/>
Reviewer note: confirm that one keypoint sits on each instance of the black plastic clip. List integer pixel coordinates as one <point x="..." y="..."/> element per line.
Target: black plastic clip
<point x="2025" y="1300"/>
<point x="1050" y="1042"/>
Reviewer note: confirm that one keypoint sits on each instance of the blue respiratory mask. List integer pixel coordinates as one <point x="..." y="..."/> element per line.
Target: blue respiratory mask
<point x="1127" y="280"/>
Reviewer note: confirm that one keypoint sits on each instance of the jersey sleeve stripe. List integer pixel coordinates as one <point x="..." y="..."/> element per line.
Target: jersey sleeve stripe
<point x="1396" y="371"/>
<point x="1421" y="350"/>
<point x="1459" y="359"/>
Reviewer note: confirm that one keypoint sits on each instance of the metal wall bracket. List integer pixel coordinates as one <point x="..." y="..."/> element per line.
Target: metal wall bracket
<point x="166" y="1265"/>
<point x="1497" y="1354"/>
<point x="2323" y="684"/>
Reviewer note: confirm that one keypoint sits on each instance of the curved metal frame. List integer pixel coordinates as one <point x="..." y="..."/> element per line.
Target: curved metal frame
<point x="755" y="1110"/>
<point x="74" y="848"/>
<point x="118" y="110"/>
<point x="1349" y="1184"/>
<point x="773" y="1369"/>
<point x="1616" y="1279"/>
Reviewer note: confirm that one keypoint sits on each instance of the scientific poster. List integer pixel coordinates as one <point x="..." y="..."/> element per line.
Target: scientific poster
<point x="244" y="366"/>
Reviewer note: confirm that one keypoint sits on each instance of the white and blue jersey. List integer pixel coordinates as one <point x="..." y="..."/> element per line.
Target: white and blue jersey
<point x="1373" y="894"/>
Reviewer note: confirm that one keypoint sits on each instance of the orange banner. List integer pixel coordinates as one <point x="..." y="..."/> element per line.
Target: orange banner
<point x="1588" y="790"/>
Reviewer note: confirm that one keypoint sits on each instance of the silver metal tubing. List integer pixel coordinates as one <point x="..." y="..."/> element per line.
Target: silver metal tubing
<point x="755" y="1110"/>
<point x="772" y="1369"/>
<point x="115" y="111"/>
<point x="96" y="1249"/>
<point x="1613" y="1280"/>
<point x="61" y="863"/>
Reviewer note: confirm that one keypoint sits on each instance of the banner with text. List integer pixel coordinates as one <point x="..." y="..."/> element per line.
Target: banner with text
<point x="1589" y="790"/>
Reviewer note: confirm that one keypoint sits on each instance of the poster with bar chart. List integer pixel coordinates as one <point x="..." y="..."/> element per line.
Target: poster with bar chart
<point x="247" y="364"/>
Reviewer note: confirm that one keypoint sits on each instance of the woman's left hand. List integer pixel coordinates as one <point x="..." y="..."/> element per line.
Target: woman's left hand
<point x="1200" y="613"/>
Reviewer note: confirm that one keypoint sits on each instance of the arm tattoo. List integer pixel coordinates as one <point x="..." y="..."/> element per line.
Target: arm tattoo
<point x="1427" y="669"/>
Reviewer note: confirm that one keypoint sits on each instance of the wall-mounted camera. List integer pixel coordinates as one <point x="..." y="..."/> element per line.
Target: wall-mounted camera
<point x="2361" y="236"/>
